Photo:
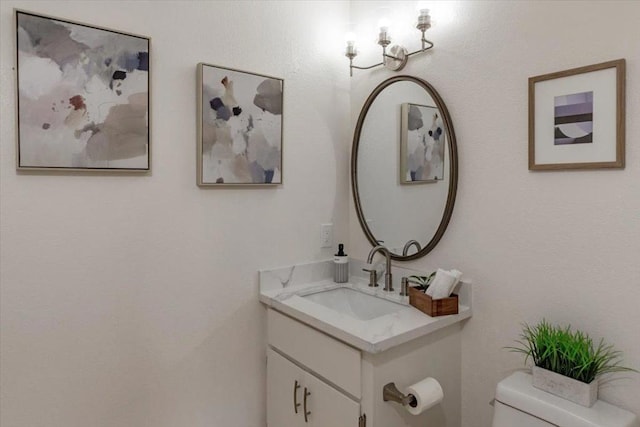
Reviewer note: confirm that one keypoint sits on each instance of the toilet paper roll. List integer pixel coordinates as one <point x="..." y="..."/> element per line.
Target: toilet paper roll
<point x="427" y="392"/>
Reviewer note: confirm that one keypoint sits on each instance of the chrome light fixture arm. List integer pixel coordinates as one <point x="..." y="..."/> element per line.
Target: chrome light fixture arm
<point x="351" y="66"/>
<point x="398" y="56"/>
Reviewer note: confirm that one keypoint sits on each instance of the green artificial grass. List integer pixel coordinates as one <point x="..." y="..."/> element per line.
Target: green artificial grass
<point x="567" y="352"/>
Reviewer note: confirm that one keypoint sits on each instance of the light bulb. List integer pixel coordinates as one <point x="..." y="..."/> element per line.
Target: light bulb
<point x="350" y="38"/>
<point x="351" y="51"/>
<point x="424" y="20"/>
<point x="383" y="24"/>
<point x="424" y="17"/>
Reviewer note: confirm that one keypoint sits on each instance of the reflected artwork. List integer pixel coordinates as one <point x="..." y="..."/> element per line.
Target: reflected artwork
<point x="422" y="144"/>
<point x="83" y="96"/>
<point x="239" y="127"/>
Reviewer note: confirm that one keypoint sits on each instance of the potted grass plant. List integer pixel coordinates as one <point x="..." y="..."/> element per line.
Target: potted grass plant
<point x="567" y="363"/>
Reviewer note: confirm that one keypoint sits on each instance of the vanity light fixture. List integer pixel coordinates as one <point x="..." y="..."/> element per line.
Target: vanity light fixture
<point x="398" y="56"/>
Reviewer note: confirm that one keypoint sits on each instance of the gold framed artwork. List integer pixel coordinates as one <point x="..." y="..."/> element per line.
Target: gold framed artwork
<point x="577" y="118"/>
<point x="239" y="128"/>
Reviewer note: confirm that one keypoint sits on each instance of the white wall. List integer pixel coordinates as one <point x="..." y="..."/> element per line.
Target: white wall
<point x="560" y="245"/>
<point x="132" y="300"/>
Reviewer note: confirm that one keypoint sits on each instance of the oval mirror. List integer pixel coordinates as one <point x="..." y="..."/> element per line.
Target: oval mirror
<point x="404" y="167"/>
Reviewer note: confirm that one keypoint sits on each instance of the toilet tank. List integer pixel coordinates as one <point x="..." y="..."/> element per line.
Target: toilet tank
<point x="506" y="416"/>
<point x="520" y="404"/>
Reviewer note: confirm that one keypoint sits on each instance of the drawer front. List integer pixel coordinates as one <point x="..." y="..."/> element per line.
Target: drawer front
<point x="327" y="357"/>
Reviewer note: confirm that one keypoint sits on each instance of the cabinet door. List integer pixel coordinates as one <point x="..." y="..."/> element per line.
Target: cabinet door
<point x="283" y="380"/>
<point x="327" y="406"/>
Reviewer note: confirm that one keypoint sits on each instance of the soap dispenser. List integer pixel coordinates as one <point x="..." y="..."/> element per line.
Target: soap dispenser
<point x="340" y="266"/>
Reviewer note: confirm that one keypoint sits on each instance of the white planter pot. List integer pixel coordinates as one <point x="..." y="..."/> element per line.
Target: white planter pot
<point x="565" y="387"/>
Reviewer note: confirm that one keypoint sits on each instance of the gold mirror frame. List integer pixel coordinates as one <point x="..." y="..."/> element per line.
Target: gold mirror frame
<point x="453" y="164"/>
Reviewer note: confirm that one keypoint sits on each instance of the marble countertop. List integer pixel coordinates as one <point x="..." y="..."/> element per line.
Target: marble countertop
<point x="284" y="289"/>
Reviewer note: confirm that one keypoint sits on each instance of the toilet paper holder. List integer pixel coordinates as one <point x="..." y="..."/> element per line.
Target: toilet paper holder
<point x="391" y="393"/>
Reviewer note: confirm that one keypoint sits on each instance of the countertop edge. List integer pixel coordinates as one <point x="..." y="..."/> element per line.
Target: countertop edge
<point x="359" y="343"/>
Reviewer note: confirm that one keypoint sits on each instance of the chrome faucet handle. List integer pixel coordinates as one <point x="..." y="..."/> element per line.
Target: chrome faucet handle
<point x="404" y="287"/>
<point x="373" y="277"/>
<point x="388" y="282"/>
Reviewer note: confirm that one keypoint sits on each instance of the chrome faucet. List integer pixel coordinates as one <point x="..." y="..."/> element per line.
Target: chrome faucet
<point x="407" y="246"/>
<point x="373" y="277"/>
<point x="388" y="286"/>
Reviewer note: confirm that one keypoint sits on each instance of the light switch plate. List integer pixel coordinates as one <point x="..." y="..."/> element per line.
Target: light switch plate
<point x="326" y="235"/>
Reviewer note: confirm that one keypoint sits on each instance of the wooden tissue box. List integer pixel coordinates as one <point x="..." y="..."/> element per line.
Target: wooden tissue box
<point x="437" y="307"/>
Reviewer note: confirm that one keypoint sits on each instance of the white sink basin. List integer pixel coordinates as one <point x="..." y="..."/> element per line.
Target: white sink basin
<point x="353" y="303"/>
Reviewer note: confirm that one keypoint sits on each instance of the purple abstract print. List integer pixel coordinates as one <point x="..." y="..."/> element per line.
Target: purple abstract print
<point x="573" y="119"/>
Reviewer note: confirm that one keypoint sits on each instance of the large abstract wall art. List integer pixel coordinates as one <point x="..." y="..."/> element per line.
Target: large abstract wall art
<point x="239" y="127"/>
<point x="422" y="144"/>
<point x="83" y="97"/>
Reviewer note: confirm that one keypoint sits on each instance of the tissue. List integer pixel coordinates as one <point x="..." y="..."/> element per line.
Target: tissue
<point x="443" y="284"/>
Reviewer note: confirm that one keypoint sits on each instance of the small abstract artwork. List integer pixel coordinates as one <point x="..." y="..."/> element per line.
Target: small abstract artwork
<point x="577" y="118"/>
<point x="83" y="96"/>
<point x="573" y="122"/>
<point x="422" y="144"/>
<point x="239" y="127"/>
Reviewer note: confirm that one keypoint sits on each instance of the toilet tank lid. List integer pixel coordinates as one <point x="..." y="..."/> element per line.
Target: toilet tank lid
<point x="516" y="391"/>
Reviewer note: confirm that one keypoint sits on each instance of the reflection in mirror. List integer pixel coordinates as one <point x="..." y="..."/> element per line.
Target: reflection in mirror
<point x="404" y="167"/>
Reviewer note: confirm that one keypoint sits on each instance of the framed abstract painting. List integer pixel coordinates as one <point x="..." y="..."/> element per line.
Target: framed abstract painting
<point x="577" y="118"/>
<point x="422" y="144"/>
<point x="239" y="138"/>
<point x="82" y="95"/>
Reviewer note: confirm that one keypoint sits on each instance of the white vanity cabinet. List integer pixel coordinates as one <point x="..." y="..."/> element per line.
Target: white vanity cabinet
<point x="322" y="387"/>
<point x="343" y="383"/>
<point x="298" y="398"/>
<point x="345" y="357"/>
